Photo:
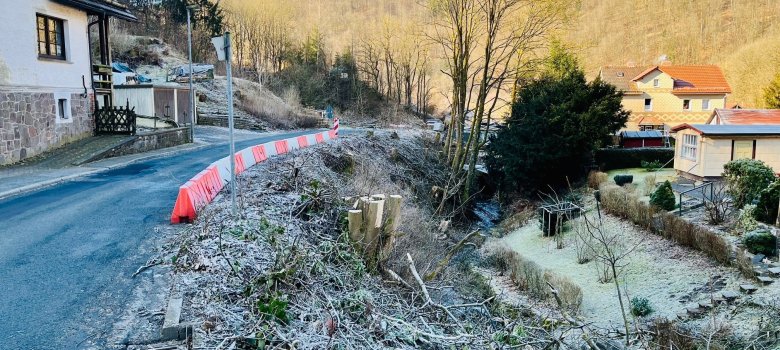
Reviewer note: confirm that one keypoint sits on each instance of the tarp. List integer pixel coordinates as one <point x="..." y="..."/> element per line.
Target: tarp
<point x="120" y="67"/>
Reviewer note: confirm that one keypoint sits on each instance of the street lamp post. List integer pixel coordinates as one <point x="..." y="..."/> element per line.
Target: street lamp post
<point x="224" y="53"/>
<point x="190" y="9"/>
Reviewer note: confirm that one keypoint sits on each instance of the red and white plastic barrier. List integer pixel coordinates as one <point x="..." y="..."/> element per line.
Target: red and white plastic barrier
<point x="204" y="187"/>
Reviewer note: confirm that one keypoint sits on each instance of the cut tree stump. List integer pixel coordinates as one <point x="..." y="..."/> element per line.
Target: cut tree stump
<point x="705" y="305"/>
<point x="765" y="280"/>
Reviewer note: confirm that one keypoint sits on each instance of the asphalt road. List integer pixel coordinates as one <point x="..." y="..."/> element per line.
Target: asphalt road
<point x="67" y="253"/>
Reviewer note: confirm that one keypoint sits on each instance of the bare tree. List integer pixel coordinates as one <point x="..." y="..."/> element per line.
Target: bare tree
<point x="609" y="247"/>
<point x="717" y="203"/>
<point x="486" y="43"/>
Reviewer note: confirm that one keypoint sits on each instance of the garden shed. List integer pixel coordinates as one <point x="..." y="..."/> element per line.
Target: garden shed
<point x="636" y="139"/>
<point x="156" y="100"/>
<point x="702" y="150"/>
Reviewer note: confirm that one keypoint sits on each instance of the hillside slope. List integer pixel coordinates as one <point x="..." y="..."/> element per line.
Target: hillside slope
<point x="742" y="36"/>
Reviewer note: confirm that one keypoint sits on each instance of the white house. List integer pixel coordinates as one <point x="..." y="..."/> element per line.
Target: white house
<point x="49" y="82"/>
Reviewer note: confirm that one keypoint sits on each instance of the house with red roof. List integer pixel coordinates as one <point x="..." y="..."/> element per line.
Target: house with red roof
<point x="745" y="117"/>
<point x="661" y="97"/>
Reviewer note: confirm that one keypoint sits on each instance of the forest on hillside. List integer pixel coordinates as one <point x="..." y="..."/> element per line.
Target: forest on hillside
<point x="742" y="36"/>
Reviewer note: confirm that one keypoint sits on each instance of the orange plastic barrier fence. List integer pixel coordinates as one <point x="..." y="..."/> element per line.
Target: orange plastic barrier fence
<point x="206" y="185"/>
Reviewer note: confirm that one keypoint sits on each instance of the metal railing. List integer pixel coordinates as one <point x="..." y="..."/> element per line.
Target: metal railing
<point x="701" y="187"/>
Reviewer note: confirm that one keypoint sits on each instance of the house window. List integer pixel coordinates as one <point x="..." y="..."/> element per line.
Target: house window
<point x="63" y="108"/>
<point x="743" y="149"/>
<point x="656" y="83"/>
<point x="51" y="37"/>
<point x="687" y="105"/>
<point x="648" y="104"/>
<point x="690" y="146"/>
<point x="705" y="105"/>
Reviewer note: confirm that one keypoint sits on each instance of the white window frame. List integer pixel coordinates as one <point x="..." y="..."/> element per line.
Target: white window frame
<point x="689" y="148"/>
<point x="59" y="117"/>
<point x="656" y="83"/>
<point x="705" y="104"/>
<point x="648" y="107"/>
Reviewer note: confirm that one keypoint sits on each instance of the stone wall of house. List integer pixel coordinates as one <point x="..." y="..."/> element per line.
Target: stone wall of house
<point x="29" y="124"/>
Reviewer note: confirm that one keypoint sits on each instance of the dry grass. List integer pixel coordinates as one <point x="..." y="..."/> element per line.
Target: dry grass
<point x="531" y="278"/>
<point x="596" y="178"/>
<point x="278" y="113"/>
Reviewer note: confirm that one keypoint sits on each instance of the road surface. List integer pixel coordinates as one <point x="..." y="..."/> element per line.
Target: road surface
<point x="67" y="253"/>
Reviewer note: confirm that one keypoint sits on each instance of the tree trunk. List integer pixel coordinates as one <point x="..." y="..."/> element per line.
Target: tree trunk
<point x="620" y="299"/>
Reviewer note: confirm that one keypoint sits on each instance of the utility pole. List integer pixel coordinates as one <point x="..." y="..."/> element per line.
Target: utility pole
<point x="192" y="91"/>
<point x="224" y="53"/>
<point x="228" y="58"/>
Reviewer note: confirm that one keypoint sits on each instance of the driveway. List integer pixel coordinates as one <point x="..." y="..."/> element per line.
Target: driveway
<point x="67" y="253"/>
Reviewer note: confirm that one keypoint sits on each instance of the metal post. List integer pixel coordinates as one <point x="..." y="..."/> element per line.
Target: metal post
<point x="228" y="57"/>
<point x="192" y="92"/>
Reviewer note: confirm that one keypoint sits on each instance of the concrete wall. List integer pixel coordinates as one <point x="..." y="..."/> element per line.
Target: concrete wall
<point x="19" y="62"/>
<point x="29" y="124"/>
<point x="152" y="141"/>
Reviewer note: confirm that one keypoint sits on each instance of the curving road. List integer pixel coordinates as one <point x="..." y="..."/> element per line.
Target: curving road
<point x="67" y="253"/>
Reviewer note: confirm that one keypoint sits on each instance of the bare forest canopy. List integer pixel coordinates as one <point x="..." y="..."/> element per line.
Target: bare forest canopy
<point x="742" y="36"/>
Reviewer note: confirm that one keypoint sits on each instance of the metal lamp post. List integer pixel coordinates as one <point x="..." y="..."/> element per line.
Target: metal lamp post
<point x="222" y="44"/>
<point x="191" y="9"/>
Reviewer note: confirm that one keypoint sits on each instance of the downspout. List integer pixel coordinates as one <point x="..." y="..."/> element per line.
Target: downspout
<point x="91" y="73"/>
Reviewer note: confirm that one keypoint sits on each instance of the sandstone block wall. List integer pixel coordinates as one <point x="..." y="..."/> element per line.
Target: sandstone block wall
<point x="29" y="126"/>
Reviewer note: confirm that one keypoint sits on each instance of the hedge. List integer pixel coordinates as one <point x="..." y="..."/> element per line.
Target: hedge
<point x="617" y="201"/>
<point x="621" y="158"/>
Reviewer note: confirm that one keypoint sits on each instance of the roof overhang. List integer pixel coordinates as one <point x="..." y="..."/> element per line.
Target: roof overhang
<point x="696" y="91"/>
<point x="101" y="7"/>
<point x="723" y="131"/>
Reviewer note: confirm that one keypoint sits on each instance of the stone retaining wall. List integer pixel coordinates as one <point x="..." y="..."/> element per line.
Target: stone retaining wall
<point x="29" y="125"/>
<point x="151" y="141"/>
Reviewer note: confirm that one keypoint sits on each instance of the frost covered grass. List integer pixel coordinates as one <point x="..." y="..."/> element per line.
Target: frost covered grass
<point x="659" y="270"/>
<point x="284" y="274"/>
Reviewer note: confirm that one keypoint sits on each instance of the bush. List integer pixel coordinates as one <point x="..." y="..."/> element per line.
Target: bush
<point x="641" y="307"/>
<point x="746" y="220"/>
<point x="621" y="180"/>
<point x="622" y="158"/>
<point x="761" y="242"/>
<point x="617" y="201"/>
<point x="663" y="197"/>
<point x="766" y="209"/>
<point x="596" y="178"/>
<point x="651" y="166"/>
<point x="746" y="179"/>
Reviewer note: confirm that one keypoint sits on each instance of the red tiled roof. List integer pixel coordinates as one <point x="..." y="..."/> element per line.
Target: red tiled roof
<point x="746" y="116"/>
<point x="621" y="77"/>
<point x="693" y="79"/>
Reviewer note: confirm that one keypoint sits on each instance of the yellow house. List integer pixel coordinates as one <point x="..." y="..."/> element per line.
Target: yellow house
<point x="702" y="150"/>
<point x="661" y="97"/>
